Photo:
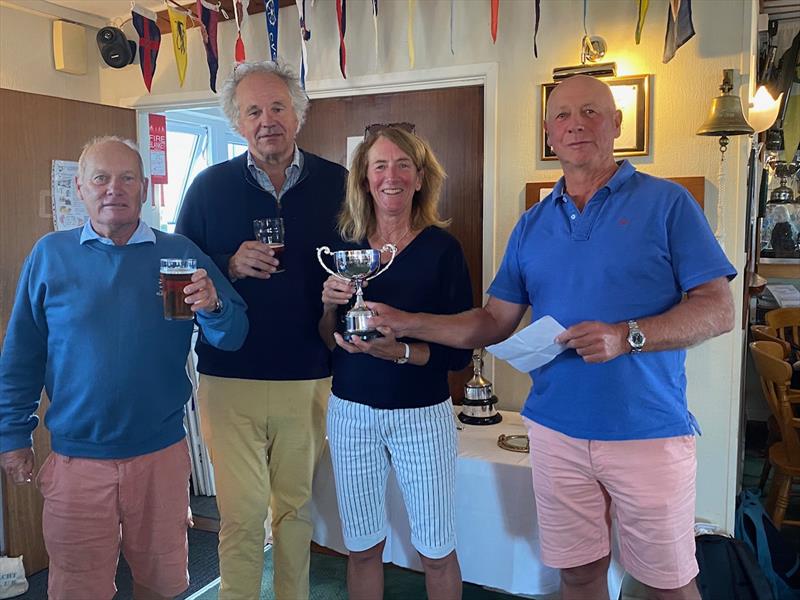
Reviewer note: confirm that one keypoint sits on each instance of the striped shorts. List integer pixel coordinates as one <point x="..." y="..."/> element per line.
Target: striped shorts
<point x="421" y="445"/>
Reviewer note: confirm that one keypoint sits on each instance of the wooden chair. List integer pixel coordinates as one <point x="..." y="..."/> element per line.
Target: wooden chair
<point x="784" y="456"/>
<point x="765" y="333"/>
<point x="786" y="322"/>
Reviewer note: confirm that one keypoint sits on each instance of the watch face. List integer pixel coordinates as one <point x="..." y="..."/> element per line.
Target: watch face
<point x="636" y="339"/>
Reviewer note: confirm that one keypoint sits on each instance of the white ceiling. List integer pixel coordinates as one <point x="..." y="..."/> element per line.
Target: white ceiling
<point x="109" y="9"/>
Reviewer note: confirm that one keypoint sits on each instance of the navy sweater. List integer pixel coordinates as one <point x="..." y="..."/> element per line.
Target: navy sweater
<point x="88" y="324"/>
<point x="284" y="310"/>
<point x="431" y="276"/>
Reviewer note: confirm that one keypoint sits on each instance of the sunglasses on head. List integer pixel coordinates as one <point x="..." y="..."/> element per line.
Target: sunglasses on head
<point x="376" y="128"/>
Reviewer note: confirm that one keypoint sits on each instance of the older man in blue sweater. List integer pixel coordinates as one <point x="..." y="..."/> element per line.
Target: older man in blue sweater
<point x="87" y="325"/>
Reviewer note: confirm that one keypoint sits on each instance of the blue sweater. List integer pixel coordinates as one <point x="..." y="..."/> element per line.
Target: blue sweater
<point x="430" y="276"/>
<point x="218" y="213"/>
<point x="88" y="324"/>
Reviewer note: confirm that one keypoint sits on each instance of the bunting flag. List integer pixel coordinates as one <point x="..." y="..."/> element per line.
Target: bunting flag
<point x="495" y="11"/>
<point x="538" y="9"/>
<point x="679" y="27"/>
<point x="410" y="32"/>
<point x="209" y="17"/>
<point x="149" y="43"/>
<point x="643" y="5"/>
<point x="177" y="20"/>
<point x="305" y="35"/>
<point x="341" y="18"/>
<point x="271" y="12"/>
<point x="452" y="6"/>
<point x="375" y="27"/>
<point x="239" y="13"/>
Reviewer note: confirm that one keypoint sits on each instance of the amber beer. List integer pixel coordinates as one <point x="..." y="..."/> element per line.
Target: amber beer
<point x="176" y="274"/>
<point x="270" y="232"/>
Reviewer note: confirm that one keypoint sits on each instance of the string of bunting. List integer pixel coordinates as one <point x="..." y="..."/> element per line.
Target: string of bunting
<point x="679" y="30"/>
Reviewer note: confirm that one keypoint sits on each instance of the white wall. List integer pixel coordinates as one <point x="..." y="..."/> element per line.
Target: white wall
<point x="681" y="96"/>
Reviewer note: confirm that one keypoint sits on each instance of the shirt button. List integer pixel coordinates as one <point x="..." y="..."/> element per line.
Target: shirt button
<point x="572" y="216"/>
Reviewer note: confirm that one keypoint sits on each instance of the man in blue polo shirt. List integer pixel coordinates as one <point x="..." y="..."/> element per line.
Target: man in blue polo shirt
<point x="628" y="264"/>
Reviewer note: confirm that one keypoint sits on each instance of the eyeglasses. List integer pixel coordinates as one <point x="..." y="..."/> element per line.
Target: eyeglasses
<point x="376" y="128"/>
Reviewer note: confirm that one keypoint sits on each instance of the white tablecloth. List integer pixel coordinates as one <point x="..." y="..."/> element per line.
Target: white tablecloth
<point x="496" y="528"/>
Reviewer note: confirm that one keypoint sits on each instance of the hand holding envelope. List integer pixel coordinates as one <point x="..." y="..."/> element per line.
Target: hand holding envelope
<point x="531" y="347"/>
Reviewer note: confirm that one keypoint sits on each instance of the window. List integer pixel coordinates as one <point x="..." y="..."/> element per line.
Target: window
<point x="196" y="139"/>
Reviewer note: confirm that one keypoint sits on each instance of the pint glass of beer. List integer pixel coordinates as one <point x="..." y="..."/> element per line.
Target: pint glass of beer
<point x="270" y="232"/>
<point x="176" y="274"/>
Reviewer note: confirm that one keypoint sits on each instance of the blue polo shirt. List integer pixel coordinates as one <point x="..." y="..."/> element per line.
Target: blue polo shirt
<point x="637" y="246"/>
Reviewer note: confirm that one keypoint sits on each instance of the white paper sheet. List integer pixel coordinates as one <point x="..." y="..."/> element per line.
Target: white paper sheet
<point x="531" y="347"/>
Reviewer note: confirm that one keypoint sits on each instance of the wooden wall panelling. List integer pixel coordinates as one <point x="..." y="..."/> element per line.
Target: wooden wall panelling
<point x="256" y="7"/>
<point x="34" y="130"/>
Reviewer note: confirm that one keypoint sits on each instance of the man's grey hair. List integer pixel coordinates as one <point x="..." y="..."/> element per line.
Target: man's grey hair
<point x="227" y="97"/>
<point x="102" y="140"/>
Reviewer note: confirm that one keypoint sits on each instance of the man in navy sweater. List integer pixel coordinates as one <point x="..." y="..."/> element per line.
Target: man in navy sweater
<point x="263" y="406"/>
<point x="88" y="325"/>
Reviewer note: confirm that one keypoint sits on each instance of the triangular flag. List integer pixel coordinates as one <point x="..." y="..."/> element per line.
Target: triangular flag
<point x="305" y="35"/>
<point x="149" y="44"/>
<point x="341" y="19"/>
<point x="679" y="27"/>
<point x="536" y="28"/>
<point x="643" y="5"/>
<point x="177" y="20"/>
<point x="271" y="12"/>
<point x="495" y="11"/>
<point x="239" y="13"/>
<point x="375" y="27"/>
<point x="410" y="33"/>
<point x="209" y="17"/>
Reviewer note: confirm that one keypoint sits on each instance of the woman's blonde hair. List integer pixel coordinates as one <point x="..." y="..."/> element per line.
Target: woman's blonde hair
<point x="357" y="218"/>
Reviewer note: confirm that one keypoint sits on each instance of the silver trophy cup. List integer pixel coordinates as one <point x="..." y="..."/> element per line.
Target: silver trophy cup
<point x="357" y="266"/>
<point x="478" y="405"/>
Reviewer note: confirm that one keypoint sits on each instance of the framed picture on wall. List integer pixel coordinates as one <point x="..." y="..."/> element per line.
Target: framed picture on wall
<point x="632" y="97"/>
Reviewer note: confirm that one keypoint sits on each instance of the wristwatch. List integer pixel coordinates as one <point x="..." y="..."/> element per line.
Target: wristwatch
<point x="404" y="359"/>
<point x="636" y="338"/>
<point x="217" y="306"/>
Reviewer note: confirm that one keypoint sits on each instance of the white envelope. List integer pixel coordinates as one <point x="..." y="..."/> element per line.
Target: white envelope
<point x="532" y="347"/>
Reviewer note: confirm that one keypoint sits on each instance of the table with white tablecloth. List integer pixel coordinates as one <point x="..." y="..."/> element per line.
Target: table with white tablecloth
<point x="496" y="528"/>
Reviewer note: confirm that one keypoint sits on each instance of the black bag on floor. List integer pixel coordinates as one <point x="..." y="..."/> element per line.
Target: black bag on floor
<point x="728" y="570"/>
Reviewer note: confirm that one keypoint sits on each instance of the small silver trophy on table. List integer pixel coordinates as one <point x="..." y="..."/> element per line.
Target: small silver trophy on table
<point x="478" y="405"/>
<point x="358" y="266"/>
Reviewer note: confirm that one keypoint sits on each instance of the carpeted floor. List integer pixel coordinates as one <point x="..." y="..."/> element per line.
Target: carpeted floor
<point x="328" y="582"/>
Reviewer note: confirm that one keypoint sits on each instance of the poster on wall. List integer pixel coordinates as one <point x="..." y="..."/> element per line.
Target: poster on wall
<point x="158" y="149"/>
<point x="68" y="210"/>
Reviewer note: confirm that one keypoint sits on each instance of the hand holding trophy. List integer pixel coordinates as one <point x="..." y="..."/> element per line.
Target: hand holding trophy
<point x="358" y="266"/>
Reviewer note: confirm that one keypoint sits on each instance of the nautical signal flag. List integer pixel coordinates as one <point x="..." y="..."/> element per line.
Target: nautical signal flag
<point x="177" y="20"/>
<point x="209" y="17"/>
<point x="149" y="44"/>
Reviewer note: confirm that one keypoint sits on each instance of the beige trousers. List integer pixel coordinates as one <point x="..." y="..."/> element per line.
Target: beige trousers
<point x="264" y="438"/>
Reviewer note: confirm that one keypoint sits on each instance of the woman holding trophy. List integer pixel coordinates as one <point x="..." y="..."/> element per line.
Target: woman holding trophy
<point x="390" y="404"/>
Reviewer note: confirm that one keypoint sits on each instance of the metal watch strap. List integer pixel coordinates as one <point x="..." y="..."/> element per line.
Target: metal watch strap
<point x="636" y="339"/>
<point x="406" y="355"/>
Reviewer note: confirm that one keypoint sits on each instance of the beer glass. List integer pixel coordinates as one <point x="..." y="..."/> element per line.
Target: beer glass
<point x="270" y="232"/>
<point x="176" y="274"/>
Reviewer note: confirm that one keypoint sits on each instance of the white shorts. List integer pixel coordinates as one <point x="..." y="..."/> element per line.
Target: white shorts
<point x="421" y="445"/>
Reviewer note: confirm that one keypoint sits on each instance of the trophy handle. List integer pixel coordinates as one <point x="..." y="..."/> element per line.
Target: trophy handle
<point x="325" y="250"/>
<point x="391" y="248"/>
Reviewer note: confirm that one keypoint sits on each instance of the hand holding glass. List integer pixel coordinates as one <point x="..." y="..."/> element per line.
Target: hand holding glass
<point x="176" y="274"/>
<point x="270" y="232"/>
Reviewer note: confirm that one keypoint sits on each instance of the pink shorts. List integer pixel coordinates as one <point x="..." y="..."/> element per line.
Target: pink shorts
<point x="646" y="486"/>
<point x="93" y="507"/>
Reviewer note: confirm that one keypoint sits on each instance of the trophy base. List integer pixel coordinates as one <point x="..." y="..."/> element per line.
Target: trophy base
<point x="364" y="335"/>
<point x="469" y="420"/>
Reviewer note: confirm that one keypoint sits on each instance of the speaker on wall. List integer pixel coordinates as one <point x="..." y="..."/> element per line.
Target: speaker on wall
<point x="117" y="51"/>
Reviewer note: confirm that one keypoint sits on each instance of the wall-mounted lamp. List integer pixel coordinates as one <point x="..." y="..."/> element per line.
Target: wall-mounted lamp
<point x="725" y="117"/>
<point x="763" y="110"/>
<point x="593" y="48"/>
